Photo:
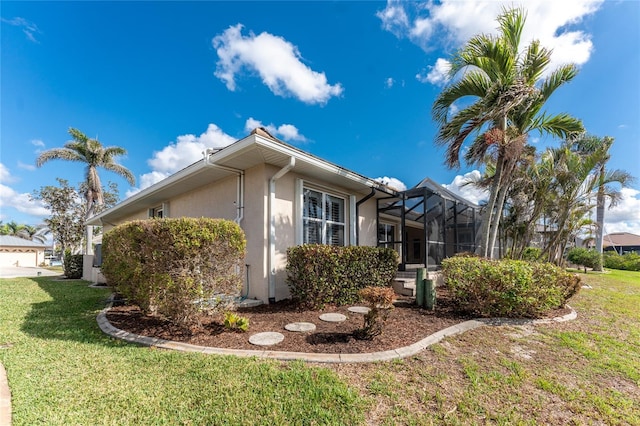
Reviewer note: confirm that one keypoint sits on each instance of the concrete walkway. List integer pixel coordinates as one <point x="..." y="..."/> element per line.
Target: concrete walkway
<point x="5" y="399"/>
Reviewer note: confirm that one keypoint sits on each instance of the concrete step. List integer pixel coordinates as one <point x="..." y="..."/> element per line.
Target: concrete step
<point x="404" y="286"/>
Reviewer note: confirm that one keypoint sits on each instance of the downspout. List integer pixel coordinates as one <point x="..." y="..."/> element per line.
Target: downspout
<point x="272" y="227"/>
<point x="365" y="199"/>
<point x="239" y="185"/>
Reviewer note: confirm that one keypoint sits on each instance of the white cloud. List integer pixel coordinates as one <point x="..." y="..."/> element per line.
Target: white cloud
<point x="287" y="132"/>
<point x="29" y="29"/>
<point x="461" y="185"/>
<point x="186" y="150"/>
<point x="437" y="74"/>
<point x="394" y="18"/>
<point x="21" y="202"/>
<point x="277" y="61"/>
<point x="392" y="182"/>
<point x="5" y="174"/>
<point x="454" y="22"/>
<point x="625" y="216"/>
<point x="389" y="83"/>
<point x="37" y="142"/>
<point x="25" y="166"/>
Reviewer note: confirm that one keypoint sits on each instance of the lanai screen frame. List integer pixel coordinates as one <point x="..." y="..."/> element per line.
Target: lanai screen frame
<point x="411" y="205"/>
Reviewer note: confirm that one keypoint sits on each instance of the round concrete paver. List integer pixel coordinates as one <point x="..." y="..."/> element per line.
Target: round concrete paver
<point x="333" y="317"/>
<point x="266" y="339"/>
<point x="359" y="309"/>
<point x="300" y="326"/>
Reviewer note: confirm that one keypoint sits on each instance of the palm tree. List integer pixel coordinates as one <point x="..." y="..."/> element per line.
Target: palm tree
<point x="589" y="145"/>
<point x="35" y="233"/>
<point x="507" y="94"/>
<point x="93" y="154"/>
<point x="575" y="182"/>
<point x="12" y="228"/>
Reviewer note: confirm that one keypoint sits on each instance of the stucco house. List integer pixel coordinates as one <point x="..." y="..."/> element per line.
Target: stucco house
<point x="16" y="251"/>
<point x="282" y="196"/>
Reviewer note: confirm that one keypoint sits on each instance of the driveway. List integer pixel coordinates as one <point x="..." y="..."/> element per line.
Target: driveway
<point x="16" y="271"/>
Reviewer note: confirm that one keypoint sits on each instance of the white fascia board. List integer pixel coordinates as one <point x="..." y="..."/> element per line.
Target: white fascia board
<point x="319" y="163"/>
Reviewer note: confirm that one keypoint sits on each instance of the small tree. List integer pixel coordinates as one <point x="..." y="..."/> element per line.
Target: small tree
<point x="380" y="301"/>
<point x="68" y="211"/>
<point x="585" y="258"/>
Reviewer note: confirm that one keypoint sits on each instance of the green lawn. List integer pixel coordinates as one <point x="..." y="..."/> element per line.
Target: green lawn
<point x="585" y="371"/>
<point x="63" y="370"/>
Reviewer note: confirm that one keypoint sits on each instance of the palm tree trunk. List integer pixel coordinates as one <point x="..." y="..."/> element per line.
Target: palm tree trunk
<point x="88" y="249"/>
<point x="600" y="218"/>
<point x="502" y="195"/>
<point x="483" y="247"/>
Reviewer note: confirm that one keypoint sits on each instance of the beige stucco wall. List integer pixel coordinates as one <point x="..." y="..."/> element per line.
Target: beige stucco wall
<point x="255" y="229"/>
<point x="367" y="220"/>
<point x="218" y="200"/>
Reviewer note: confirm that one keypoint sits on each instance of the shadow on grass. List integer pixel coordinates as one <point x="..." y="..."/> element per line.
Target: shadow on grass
<point x="71" y="315"/>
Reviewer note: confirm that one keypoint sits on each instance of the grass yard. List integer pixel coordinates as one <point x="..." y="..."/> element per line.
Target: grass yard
<point x="585" y="371"/>
<point x="63" y="370"/>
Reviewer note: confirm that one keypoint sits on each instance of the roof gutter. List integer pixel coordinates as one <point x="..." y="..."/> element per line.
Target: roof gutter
<point x="272" y="226"/>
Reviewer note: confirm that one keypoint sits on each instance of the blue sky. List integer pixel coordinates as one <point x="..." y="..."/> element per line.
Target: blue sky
<point x="351" y="82"/>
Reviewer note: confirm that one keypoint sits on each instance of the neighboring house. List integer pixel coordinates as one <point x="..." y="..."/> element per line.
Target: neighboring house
<point x="621" y="242"/>
<point x="282" y="196"/>
<point x="16" y="251"/>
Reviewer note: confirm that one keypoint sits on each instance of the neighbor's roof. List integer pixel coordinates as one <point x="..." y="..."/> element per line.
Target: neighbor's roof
<point x="621" y="239"/>
<point x="259" y="147"/>
<point x="11" y="241"/>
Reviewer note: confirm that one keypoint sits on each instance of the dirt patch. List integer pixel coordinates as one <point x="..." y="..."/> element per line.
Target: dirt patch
<point x="406" y="324"/>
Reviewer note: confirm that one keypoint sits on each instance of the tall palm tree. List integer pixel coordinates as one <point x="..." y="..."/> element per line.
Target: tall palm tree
<point x="507" y="94"/>
<point x="93" y="154"/>
<point x="590" y="144"/>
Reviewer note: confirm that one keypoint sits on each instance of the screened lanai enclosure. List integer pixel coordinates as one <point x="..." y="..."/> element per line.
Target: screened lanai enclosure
<point x="427" y="223"/>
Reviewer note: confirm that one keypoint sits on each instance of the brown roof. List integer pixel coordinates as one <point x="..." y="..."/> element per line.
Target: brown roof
<point x="621" y="239"/>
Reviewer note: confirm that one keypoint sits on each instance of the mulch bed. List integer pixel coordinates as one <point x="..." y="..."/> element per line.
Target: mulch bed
<point x="405" y="325"/>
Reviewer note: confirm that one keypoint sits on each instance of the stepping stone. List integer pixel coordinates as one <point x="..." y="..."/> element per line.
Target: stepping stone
<point x="333" y="317"/>
<point x="359" y="309"/>
<point x="266" y="339"/>
<point x="300" y="326"/>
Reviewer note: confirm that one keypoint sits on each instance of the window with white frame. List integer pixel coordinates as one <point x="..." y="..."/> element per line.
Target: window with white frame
<point x="386" y="235"/>
<point x="323" y="218"/>
<point x="157" y="212"/>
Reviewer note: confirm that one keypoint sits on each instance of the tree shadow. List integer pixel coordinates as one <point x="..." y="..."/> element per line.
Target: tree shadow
<point x="71" y="315"/>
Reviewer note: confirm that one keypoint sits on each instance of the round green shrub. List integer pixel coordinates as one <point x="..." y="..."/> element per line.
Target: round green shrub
<point x="175" y="267"/>
<point x="507" y="288"/>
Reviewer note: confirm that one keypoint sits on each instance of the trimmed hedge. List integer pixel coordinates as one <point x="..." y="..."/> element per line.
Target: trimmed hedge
<point x="175" y="267"/>
<point x="321" y="274"/>
<point x="507" y="288"/>
<point x="626" y="262"/>
<point x="72" y="265"/>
